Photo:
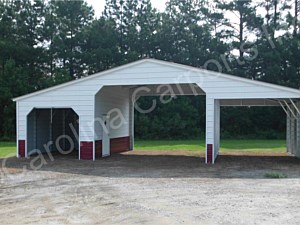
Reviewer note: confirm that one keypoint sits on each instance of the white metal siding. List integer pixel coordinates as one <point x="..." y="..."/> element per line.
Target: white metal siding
<point x="298" y="133"/>
<point x="217" y="86"/>
<point x="288" y="133"/>
<point x="131" y="119"/>
<point x="221" y="88"/>
<point x="80" y="95"/>
<point x="108" y="99"/>
<point x="217" y="129"/>
<point x="293" y="133"/>
<point x="31" y="132"/>
<point x="167" y="90"/>
<point x="210" y="125"/>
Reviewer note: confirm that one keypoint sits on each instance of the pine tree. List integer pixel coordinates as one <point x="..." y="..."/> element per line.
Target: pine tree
<point x="69" y="18"/>
<point x="101" y="49"/>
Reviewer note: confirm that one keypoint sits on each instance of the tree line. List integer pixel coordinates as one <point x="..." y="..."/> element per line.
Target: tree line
<point x="44" y="43"/>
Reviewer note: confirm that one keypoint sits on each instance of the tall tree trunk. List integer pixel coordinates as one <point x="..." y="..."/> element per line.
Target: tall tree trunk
<point x="241" y="35"/>
<point x="275" y="17"/>
<point x="71" y="68"/>
<point x="296" y="17"/>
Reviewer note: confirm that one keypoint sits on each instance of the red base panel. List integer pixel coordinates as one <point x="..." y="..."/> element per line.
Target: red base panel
<point x="98" y="148"/>
<point x="21" y="150"/>
<point x="121" y="144"/>
<point x="209" y="153"/>
<point x="117" y="145"/>
<point x="86" y="150"/>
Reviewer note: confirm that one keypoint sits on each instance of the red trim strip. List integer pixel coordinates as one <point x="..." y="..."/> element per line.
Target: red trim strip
<point x="209" y="153"/>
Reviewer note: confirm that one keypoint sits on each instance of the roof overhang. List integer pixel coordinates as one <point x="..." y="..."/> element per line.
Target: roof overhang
<point x="293" y="92"/>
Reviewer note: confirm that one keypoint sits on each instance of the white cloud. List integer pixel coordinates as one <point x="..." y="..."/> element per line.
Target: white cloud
<point x="98" y="5"/>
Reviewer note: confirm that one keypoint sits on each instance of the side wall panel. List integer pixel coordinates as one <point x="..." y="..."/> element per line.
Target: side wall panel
<point x="113" y="101"/>
<point x="210" y="129"/>
<point x="81" y="95"/>
<point x="117" y="145"/>
<point x="31" y="132"/>
<point x="288" y="133"/>
<point x="217" y="128"/>
<point x="131" y="120"/>
<point x="43" y="120"/>
<point x="293" y="132"/>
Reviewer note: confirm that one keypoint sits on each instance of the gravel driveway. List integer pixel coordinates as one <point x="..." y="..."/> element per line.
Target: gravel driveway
<point x="152" y="187"/>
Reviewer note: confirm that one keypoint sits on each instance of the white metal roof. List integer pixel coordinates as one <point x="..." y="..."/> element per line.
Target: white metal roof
<point x="160" y="62"/>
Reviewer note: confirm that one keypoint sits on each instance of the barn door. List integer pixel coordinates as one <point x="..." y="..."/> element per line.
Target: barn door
<point x="105" y="136"/>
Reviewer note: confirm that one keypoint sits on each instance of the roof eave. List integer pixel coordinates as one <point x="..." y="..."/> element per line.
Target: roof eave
<point x="275" y="86"/>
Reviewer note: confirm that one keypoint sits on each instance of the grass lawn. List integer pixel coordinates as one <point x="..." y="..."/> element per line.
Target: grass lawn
<point x="9" y="148"/>
<point x="226" y="145"/>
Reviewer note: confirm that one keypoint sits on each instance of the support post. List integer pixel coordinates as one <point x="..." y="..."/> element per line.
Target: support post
<point x="131" y="121"/>
<point x="288" y="133"/>
<point x="212" y="129"/>
<point x="293" y="134"/>
<point x="217" y="128"/>
<point x="51" y="127"/>
<point x="87" y="135"/>
<point x="17" y="129"/>
<point x="298" y="133"/>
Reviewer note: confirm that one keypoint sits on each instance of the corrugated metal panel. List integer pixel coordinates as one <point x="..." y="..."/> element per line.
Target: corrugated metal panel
<point x="131" y="119"/>
<point x="43" y="128"/>
<point x="298" y="132"/>
<point x="148" y="70"/>
<point x="108" y="99"/>
<point x="31" y="132"/>
<point x="288" y="133"/>
<point x="210" y="125"/>
<point x="217" y="128"/>
<point x="49" y="127"/>
<point x="81" y="95"/>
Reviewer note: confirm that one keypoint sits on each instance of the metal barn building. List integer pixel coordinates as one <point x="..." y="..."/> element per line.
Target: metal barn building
<point x="95" y="115"/>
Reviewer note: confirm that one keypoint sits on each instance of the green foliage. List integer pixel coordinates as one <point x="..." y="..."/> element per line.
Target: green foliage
<point x="101" y="48"/>
<point x="13" y="82"/>
<point x="253" y="122"/>
<point x="44" y="43"/>
<point x="276" y="175"/>
<point x="183" y="119"/>
<point x="71" y="17"/>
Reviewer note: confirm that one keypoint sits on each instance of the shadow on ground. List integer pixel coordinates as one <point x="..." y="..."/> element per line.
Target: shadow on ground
<point x="167" y="164"/>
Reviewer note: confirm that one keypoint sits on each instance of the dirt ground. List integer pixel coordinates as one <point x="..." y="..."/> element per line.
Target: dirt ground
<point x="146" y="187"/>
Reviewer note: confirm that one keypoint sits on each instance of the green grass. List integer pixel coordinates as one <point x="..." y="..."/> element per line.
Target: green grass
<point x="9" y="148"/>
<point x="254" y="145"/>
<point x="276" y="175"/>
<point x="190" y="145"/>
<point x="226" y="145"/>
